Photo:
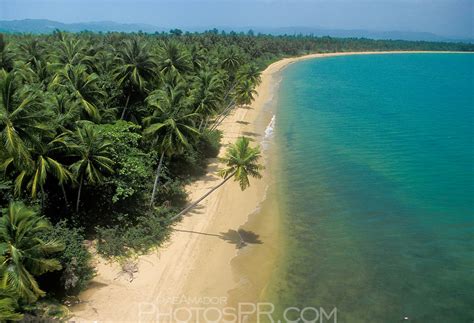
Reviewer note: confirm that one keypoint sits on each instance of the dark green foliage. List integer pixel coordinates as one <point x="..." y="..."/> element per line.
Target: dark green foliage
<point x="144" y="233"/>
<point x="210" y="143"/>
<point x="132" y="165"/>
<point x="6" y="191"/>
<point x="77" y="269"/>
<point x="23" y="254"/>
<point x="9" y="306"/>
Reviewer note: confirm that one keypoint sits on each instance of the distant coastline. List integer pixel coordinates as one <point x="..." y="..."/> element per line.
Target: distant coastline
<point x="43" y="26"/>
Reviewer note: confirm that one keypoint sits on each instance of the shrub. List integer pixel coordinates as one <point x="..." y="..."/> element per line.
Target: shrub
<point x="210" y="143"/>
<point x="75" y="259"/>
<point x="123" y="240"/>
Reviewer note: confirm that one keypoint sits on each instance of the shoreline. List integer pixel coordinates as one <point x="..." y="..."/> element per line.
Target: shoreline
<point x="201" y="257"/>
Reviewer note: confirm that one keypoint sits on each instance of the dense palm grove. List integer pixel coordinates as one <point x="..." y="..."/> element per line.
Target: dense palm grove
<point x="99" y="134"/>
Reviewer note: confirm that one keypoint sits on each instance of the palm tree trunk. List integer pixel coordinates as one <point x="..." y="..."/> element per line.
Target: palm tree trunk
<point x="183" y="212"/>
<point x="125" y="108"/>
<point x="157" y="178"/>
<point x="65" y="195"/>
<point x="42" y="197"/>
<point x="81" y="182"/>
<point x="222" y="115"/>
<point x="214" y="126"/>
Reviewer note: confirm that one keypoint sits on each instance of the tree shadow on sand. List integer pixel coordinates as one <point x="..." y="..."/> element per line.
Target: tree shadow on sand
<point x="241" y="238"/>
<point x="243" y="122"/>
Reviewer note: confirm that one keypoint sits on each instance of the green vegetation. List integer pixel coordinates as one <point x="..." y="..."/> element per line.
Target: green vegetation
<point x="241" y="161"/>
<point x="99" y="133"/>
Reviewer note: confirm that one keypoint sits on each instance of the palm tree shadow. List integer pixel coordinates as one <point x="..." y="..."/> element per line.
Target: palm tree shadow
<point x="198" y="209"/>
<point x="251" y="134"/>
<point x="240" y="238"/>
<point x="243" y="122"/>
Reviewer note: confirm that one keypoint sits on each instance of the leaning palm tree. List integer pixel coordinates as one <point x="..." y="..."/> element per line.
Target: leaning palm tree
<point x="241" y="161"/>
<point x="93" y="158"/>
<point x="170" y="127"/>
<point x="23" y="255"/>
<point x="245" y="92"/>
<point x="250" y="72"/>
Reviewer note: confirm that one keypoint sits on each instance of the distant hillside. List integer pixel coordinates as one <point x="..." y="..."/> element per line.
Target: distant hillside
<point x="358" y="33"/>
<point x="43" y="26"/>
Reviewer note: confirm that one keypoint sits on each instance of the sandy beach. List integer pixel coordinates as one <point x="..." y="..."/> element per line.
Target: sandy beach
<point x="196" y="266"/>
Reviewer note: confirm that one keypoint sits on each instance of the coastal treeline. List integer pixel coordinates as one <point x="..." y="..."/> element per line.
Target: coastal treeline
<point x="99" y="133"/>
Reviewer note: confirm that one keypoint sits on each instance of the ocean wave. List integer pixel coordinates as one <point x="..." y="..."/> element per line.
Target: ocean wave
<point x="269" y="130"/>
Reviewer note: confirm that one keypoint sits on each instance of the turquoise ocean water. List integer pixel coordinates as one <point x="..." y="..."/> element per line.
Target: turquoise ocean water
<point x="376" y="180"/>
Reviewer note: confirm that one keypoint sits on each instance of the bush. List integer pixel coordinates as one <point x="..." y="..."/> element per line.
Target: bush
<point x="75" y="259"/>
<point x="123" y="240"/>
<point x="6" y="189"/>
<point x="194" y="161"/>
<point x="210" y="143"/>
<point x="132" y="165"/>
<point x="110" y="241"/>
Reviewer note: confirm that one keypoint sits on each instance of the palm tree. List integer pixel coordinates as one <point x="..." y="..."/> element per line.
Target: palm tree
<point x="232" y="60"/>
<point x="245" y="92"/>
<point x="94" y="160"/>
<point x="23" y="255"/>
<point x="31" y="50"/>
<point x="35" y="72"/>
<point x="241" y="161"/>
<point x="22" y="118"/>
<point x="44" y="164"/>
<point x="197" y="55"/>
<point x="82" y="86"/>
<point x="6" y="56"/>
<point x="173" y="58"/>
<point x="169" y="125"/>
<point x="207" y="94"/>
<point x="135" y="68"/>
<point x="68" y="52"/>
<point x="250" y="72"/>
<point x="66" y="111"/>
<point x="8" y="306"/>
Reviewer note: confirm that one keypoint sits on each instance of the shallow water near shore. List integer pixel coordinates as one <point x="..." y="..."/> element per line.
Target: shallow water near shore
<point x="374" y="183"/>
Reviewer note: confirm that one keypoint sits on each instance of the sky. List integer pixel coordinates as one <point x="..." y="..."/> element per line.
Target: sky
<point x="441" y="17"/>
